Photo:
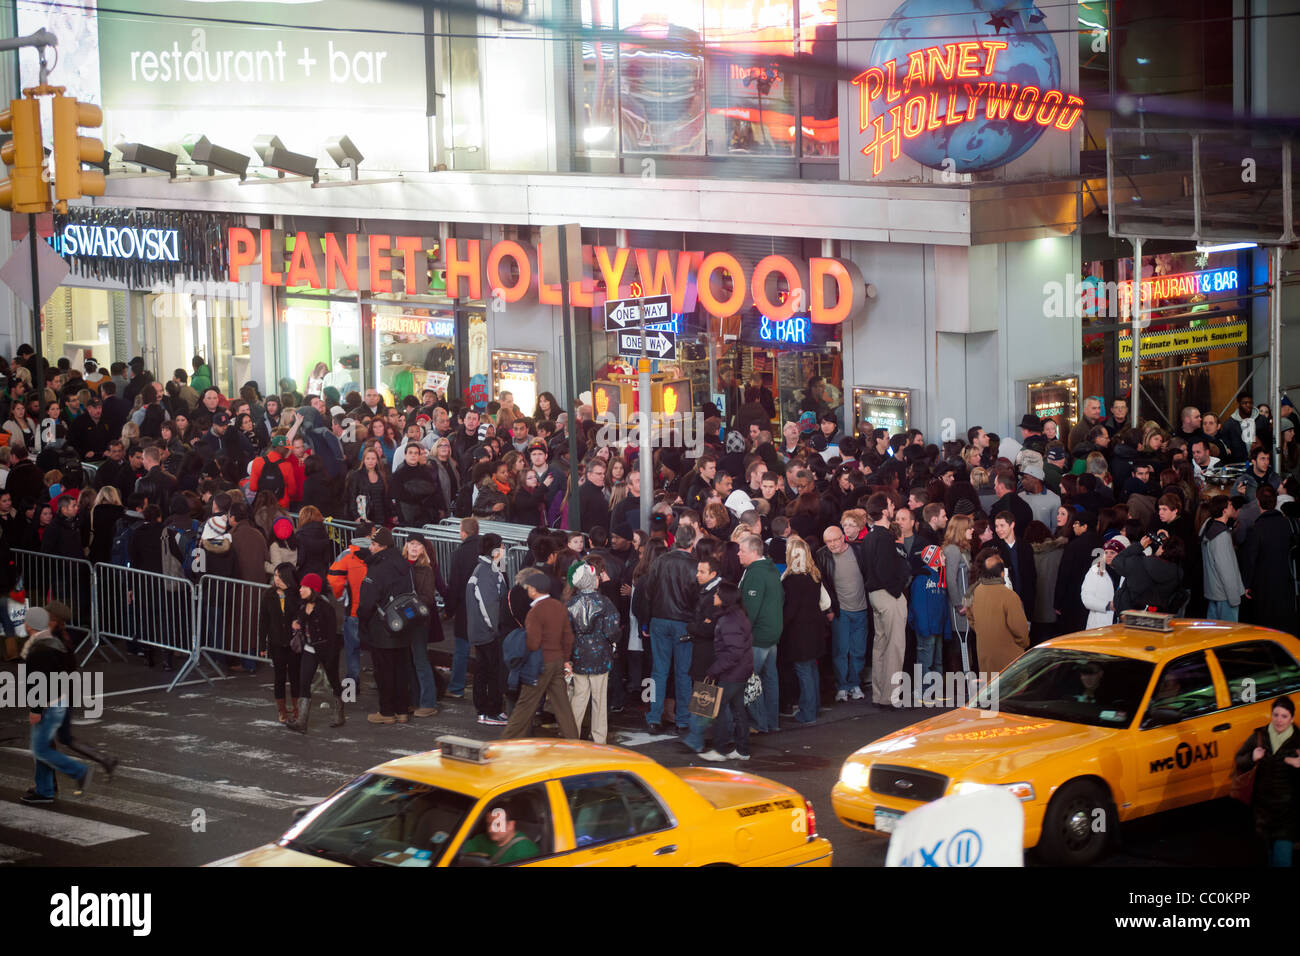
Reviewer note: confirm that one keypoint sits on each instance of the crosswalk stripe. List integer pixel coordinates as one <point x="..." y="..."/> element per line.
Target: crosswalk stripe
<point x="166" y="811"/>
<point x="12" y="854"/>
<point x="62" y="827"/>
<point x="217" y="790"/>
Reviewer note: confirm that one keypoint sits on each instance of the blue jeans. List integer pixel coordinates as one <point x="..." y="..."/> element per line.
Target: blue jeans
<point x="1222" y="611"/>
<point x="352" y="651"/>
<point x="929" y="652"/>
<point x="459" y="666"/>
<point x="48" y="759"/>
<point x="424" y="689"/>
<point x="670" y="652"/>
<point x="810" y="691"/>
<point x="1279" y="853"/>
<point x="731" y="730"/>
<point x="766" y="709"/>
<point x="849" y="648"/>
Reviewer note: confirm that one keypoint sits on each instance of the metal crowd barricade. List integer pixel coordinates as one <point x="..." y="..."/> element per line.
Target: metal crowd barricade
<point x="149" y="608"/>
<point x="229" y="619"/>
<point x="511" y="532"/>
<point x="53" y="577"/>
<point x="341" y="534"/>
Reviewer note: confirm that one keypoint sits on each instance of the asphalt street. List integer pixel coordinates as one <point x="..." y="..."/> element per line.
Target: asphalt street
<point x="207" y="771"/>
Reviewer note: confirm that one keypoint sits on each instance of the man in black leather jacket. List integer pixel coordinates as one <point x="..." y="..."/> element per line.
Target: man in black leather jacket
<point x="674" y="592"/>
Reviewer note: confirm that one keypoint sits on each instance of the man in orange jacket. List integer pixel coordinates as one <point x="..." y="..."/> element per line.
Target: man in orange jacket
<point x="345" y="577"/>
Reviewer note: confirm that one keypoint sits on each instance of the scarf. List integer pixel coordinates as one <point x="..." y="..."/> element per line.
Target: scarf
<point x="501" y="486"/>
<point x="1276" y="740"/>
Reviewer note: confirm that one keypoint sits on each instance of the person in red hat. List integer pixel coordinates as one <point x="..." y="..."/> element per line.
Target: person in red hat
<point x="315" y="631"/>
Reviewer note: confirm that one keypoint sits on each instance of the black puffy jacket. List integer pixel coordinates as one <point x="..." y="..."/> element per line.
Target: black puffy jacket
<point x="672" y="586"/>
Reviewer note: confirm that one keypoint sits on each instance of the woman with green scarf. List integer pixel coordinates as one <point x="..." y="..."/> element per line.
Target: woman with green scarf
<point x="1274" y="751"/>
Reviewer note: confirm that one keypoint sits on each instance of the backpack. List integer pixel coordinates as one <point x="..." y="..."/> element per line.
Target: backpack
<point x="523" y="666"/>
<point x="121" y="550"/>
<point x="463" y="504"/>
<point x="182" y="554"/>
<point x="272" y="477"/>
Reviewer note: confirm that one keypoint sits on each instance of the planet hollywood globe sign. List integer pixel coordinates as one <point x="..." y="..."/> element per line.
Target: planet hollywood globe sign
<point x="962" y="85"/>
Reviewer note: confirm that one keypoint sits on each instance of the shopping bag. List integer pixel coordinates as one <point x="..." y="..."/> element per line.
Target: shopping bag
<point x="706" y="699"/>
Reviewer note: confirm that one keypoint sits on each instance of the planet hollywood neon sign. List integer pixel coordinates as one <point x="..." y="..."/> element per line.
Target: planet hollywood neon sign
<point x="963" y="106"/>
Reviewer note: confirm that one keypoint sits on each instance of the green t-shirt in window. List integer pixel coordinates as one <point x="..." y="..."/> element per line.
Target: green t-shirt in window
<point x="519" y="848"/>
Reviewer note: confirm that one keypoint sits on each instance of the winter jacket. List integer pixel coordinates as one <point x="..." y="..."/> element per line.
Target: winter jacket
<point x="201" y="380"/>
<point x="803" y="622"/>
<point x="1043" y="506"/>
<point x="489" y="500"/>
<point x="345" y="577"/>
<point x="103" y="524"/>
<point x="549" y="630"/>
<point x="315" y="550"/>
<point x="485" y="595"/>
<point x="595" y="632"/>
<point x="1273" y="796"/>
<point x="733" y="649"/>
<point x="464" y="561"/>
<point x="418" y="499"/>
<point x="1075" y="560"/>
<point x="62" y="538"/>
<point x="250" y="552"/>
<point x="1219" y="561"/>
<point x="275" y="626"/>
<point x="672" y="587"/>
<point x="594" y="507"/>
<point x="956" y="562"/>
<point x="1148" y="581"/>
<point x="276" y="458"/>
<point x="1097" y="593"/>
<point x="379" y="508"/>
<point x="1266" y="570"/>
<point x="526" y="507"/>
<point x="999" y="620"/>
<point x="887" y="570"/>
<point x="387" y="575"/>
<point x="764" y="601"/>
<point x="702" y="630"/>
<point x="927" y="612"/>
<point x="1047" y="565"/>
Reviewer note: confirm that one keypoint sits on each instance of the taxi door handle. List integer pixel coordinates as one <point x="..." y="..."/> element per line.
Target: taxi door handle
<point x="1221" y="728"/>
<point x="665" y="850"/>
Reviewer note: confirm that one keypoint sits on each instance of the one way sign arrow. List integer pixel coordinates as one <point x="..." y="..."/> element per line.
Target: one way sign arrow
<point x="660" y="345"/>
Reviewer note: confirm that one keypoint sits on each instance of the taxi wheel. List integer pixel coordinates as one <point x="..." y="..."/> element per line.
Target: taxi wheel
<point x="1077" y="827"/>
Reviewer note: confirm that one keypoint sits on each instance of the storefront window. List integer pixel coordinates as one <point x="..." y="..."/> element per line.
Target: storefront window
<point x="320" y="345"/>
<point x="819" y="98"/>
<point x="751" y="96"/>
<point x="411" y="344"/>
<point x="80" y="321"/>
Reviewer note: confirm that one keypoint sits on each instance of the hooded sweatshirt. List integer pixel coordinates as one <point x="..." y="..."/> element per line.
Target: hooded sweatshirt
<point x="1219" y="558"/>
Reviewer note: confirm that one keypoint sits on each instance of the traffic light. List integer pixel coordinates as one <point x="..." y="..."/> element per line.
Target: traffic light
<point x="26" y="190"/>
<point x="72" y="149"/>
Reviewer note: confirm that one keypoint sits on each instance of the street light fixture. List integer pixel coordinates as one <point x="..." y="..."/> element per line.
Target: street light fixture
<point x="149" y="157"/>
<point x="275" y="156"/>
<point x="218" y="157"/>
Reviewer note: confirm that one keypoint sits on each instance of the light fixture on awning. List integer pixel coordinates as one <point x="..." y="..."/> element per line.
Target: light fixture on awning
<point x="274" y="156"/>
<point x="345" y="154"/>
<point x="149" y="157"/>
<point x="205" y="153"/>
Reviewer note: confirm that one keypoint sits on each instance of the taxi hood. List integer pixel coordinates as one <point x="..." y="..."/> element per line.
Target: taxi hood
<point x="966" y="741"/>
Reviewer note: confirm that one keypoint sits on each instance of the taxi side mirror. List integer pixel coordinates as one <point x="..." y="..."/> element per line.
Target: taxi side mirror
<point x="1161" y="717"/>
<point x="300" y="812"/>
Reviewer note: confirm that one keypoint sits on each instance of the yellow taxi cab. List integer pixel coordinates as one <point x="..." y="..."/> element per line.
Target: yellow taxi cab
<point x="1088" y="730"/>
<point x="548" y="802"/>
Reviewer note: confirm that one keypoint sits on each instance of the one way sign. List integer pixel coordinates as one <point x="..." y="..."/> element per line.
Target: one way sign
<point x="660" y="345"/>
<point x="629" y="313"/>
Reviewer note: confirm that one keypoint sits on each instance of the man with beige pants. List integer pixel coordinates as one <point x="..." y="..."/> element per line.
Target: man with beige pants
<point x="886" y="583"/>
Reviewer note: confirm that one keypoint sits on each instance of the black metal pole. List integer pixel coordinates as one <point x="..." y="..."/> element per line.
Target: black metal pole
<point x="571" y="356"/>
<point x="38" y="372"/>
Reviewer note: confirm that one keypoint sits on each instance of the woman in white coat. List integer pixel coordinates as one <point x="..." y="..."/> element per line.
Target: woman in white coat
<point x="1098" y="591"/>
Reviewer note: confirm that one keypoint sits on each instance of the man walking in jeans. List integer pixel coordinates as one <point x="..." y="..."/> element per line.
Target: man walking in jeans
<point x="47" y="654"/>
<point x="887" y="576"/>
<point x="840" y="564"/>
<point x="549" y="629"/>
<point x="764" y="602"/>
<point x="674" y="591"/>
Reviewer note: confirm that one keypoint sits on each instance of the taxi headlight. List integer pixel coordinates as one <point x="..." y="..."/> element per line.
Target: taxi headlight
<point x="1022" y="791"/>
<point x="854" y="775"/>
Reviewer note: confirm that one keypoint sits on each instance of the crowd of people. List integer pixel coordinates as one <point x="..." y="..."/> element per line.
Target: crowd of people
<point x="778" y="561"/>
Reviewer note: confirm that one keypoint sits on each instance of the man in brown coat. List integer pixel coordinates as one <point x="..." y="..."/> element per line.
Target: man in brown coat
<point x="250" y="554"/>
<point x="997" y="616"/>
<point x="548" y="628"/>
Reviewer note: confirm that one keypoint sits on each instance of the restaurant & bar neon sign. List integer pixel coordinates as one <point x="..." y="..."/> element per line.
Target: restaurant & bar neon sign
<point x="829" y="290"/>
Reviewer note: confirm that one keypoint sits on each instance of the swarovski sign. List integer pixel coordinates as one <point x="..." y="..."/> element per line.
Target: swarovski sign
<point x="119" y="242"/>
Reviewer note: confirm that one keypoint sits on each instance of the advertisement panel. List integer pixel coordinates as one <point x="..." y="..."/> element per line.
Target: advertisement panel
<point x="169" y="71"/>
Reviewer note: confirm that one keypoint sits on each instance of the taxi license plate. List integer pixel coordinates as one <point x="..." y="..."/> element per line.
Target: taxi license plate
<point x="886" y="820"/>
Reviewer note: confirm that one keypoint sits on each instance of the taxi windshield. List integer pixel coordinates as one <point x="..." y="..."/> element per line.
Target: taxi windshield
<point x="382" y="821"/>
<point x="1080" y="687"/>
